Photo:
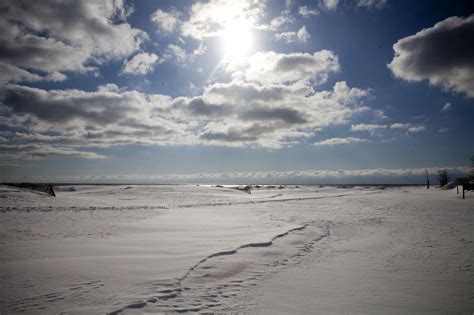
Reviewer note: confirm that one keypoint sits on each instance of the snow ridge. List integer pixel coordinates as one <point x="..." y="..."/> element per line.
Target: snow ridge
<point x="234" y="251"/>
<point x="213" y="282"/>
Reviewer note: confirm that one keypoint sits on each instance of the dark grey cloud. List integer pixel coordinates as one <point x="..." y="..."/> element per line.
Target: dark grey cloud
<point x="36" y="151"/>
<point x="244" y="101"/>
<point x="240" y="133"/>
<point x="63" y="122"/>
<point x="198" y="107"/>
<point x="270" y="134"/>
<point x="55" y="36"/>
<point x="287" y="115"/>
<point x="64" y="106"/>
<point x="442" y="54"/>
<point x="9" y="73"/>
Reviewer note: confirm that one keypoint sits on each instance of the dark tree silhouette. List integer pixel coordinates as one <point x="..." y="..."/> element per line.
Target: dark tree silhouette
<point x="443" y="177"/>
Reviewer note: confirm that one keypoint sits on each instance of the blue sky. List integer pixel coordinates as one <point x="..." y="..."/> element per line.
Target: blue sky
<point x="363" y="90"/>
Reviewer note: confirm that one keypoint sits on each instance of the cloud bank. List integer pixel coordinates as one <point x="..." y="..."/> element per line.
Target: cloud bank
<point x="273" y="105"/>
<point x="268" y="99"/>
<point x="370" y="176"/>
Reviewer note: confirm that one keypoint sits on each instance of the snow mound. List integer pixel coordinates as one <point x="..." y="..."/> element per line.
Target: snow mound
<point x="449" y="185"/>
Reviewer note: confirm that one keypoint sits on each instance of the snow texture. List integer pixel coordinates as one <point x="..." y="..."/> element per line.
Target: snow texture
<point x="280" y="249"/>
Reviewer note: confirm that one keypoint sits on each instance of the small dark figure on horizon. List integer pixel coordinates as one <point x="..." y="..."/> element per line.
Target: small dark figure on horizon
<point x="50" y="190"/>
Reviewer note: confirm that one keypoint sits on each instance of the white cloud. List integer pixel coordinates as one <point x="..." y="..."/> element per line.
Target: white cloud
<point x="272" y="67"/>
<point x="377" y="4"/>
<point x="208" y="19"/>
<point x="302" y="34"/>
<point x="443" y="130"/>
<point x="307" y="12"/>
<point x="346" y="94"/>
<point x="66" y="36"/>
<point x="408" y="127"/>
<point x="400" y="126"/>
<point x="167" y="22"/>
<point x="367" y="127"/>
<point x="177" y="53"/>
<point x="330" y="4"/>
<point x="109" y="87"/>
<point x="374" y="128"/>
<point x="200" y="50"/>
<point x="380" y="114"/>
<point x="142" y="63"/>
<point x="440" y="54"/>
<point x="446" y="107"/>
<point x="279" y="22"/>
<point x="339" y="141"/>
<point x="287" y="37"/>
<point x="416" y="129"/>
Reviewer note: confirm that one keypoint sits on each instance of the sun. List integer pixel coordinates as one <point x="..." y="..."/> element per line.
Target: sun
<point x="237" y="38"/>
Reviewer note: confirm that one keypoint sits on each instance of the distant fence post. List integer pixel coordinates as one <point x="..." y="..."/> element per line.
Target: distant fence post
<point x="466" y="185"/>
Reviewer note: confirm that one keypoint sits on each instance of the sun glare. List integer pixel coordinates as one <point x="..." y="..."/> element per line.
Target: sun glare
<point x="237" y="38"/>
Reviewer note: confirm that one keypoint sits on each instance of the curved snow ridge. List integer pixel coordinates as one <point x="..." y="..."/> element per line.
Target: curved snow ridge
<point x="234" y="251"/>
<point x="198" y="291"/>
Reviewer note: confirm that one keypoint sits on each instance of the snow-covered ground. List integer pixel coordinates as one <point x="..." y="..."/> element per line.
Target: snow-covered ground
<point x="188" y="248"/>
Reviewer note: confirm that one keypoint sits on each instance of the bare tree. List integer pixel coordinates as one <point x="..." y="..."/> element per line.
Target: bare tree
<point x="443" y="177"/>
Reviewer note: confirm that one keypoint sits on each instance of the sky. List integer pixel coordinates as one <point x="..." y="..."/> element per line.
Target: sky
<point x="210" y="91"/>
